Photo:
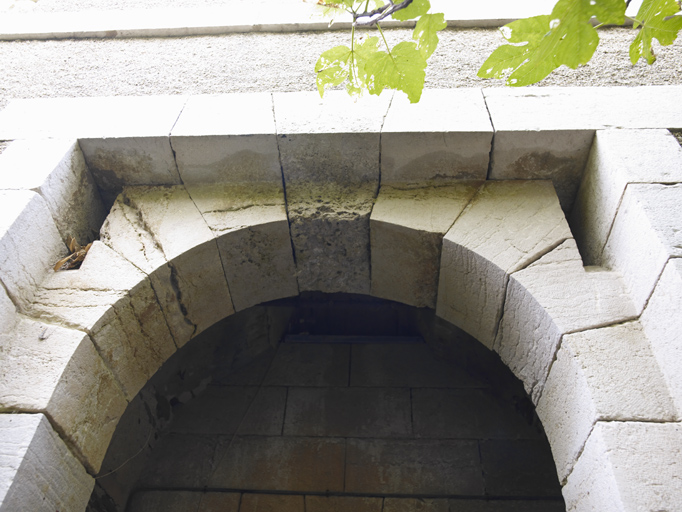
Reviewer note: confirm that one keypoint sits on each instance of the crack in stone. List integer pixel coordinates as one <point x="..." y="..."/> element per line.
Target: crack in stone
<point x="492" y="139"/>
<point x="175" y="285"/>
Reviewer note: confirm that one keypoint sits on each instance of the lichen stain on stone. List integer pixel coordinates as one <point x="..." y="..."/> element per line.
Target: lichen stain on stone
<point x="543" y="165"/>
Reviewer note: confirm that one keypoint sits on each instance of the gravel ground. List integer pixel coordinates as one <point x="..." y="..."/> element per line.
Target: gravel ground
<point x="275" y="62"/>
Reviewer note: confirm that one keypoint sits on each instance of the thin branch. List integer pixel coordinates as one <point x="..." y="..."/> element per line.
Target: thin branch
<point x="379" y="14"/>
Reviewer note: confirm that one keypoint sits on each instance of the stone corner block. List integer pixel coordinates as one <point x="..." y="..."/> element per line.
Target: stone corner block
<point x="37" y="470"/>
<point x="619" y="157"/>
<point x="601" y="374"/>
<point x="55" y="169"/>
<point x="407" y="225"/>
<point x="628" y="466"/>
<point x="645" y="233"/>
<point x="57" y="371"/>
<point x="447" y="135"/>
<point x="227" y="139"/>
<point x="663" y="326"/>
<point x="508" y="225"/>
<point x="30" y="243"/>
<point x="554" y="296"/>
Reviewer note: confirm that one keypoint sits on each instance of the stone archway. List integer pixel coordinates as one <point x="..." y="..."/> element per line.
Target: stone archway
<point x="96" y="335"/>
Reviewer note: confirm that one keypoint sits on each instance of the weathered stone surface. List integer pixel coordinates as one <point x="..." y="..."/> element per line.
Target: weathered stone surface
<point x="182" y="501"/>
<point x="446" y="135"/>
<point x="114" y="302"/>
<point x="8" y="312"/>
<point x="415" y="505"/>
<point x="55" y="169"/>
<point x="555" y="505"/>
<point x="628" y="466"/>
<point x="605" y="374"/>
<point x="645" y="234"/>
<point x="376" y="466"/>
<point x="272" y="503"/>
<point x="521" y="467"/>
<point x="508" y="225"/>
<point x="30" y="244"/>
<point x="406" y="230"/>
<point x="57" y="371"/>
<point x="284" y="463"/>
<point x="663" y="326"/>
<point x="342" y="504"/>
<point x="161" y="231"/>
<point x="250" y="224"/>
<point x="37" y="470"/>
<point x="348" y="412"/>
<point x="227" y="139"/>
<point x="619" y="157"/>
<point x="554" y="296"/>
<point x="330" y="162"/>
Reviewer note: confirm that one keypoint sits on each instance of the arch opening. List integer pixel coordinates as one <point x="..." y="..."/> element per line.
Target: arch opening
<point x="330" y="400"/>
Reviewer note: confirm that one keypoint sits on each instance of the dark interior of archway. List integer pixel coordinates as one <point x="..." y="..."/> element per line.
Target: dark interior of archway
<point x="330" y="403"/>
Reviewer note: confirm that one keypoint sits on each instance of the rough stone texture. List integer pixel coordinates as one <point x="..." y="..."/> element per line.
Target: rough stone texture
<point x="415" y="505"/>
<point x="30" y="244"/>
<point x="36" y="468"/>
<point x="249" y="221"/>
<point x="645" y="234"/>
<point x="621" y="470"/>
<point x="505" y="506"/>
<point x="227" y="139"/>
<point x="161" y="231"/>
<point x="114" y="302"/>
<point x="272" y="503"/>
<point x="378" y="466"/>
<point x="330" y="160"/>
<point x="55" y="169"/>
<point x="554" y="296"/>
<point x="309" y="365"/>
<point x="57" y="371"/>
<point x="508" y="225"/>
<point x="606" y="374"/>
<point x="446" y="135"/>
<point x="663" y="326"/>
<point x="8" y="312"/>
<point x="406" y="230"/>
<point x="619" y="157"/>
<point x="342" y="504"/>
<point x="182" y="501"/>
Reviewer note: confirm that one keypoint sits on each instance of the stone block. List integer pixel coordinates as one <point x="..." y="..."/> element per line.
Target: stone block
<point x="114" y="302"/>
<point x="343" y="504"/>
<point x="348" y="412"/>
<point x="507" y="226"/>
<point x="329" y="152"/>
<point x="554" y="296"/>
<point x="645" y="234"/>
<point x="607" y="374"/>
<point x="628" y="466"/>
<point x="161" y="231"/>
<point x="272" y="503"/>
<point x="467" y="414"/>
<point x="304" y="364"/>
<point x="410" y="365"/>
<point x="446" y="135"/>
<point x="376" y="466"/>
<point x="291" y="464"/>
<point x="8" y="312"/>
<point x="221" y="410"/>
<point x="227" y="139"/>
<point x="58" y="372"/>
<point x="406" y="230"/>
<point x="55" y="169"/>
<point x="619" y="157"/>
<point x="415" y="505"/>
<point x="250" y="224"/>
<point x="537" y="505"/>
<point x="663" y="326"/>
<point x="182" y="501"/>
<point x="37" y="470"/>
<point x="30" y="244"/>
<point x="522" y="467"/>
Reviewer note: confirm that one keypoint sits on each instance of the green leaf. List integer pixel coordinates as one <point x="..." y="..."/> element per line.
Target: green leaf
<point x="414" y="10"/>
<point x="426" y="32"/>
<point x="544" y="43"/>
<point x="332" y="68"/>
<point x="403" y="69"/>
<point x="657" y="19"/>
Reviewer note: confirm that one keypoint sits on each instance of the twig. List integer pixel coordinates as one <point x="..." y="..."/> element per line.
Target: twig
<point x="379" y="14"/>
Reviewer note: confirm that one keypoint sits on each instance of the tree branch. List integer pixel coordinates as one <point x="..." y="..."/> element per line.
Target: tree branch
<point x="379" y="14"/>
